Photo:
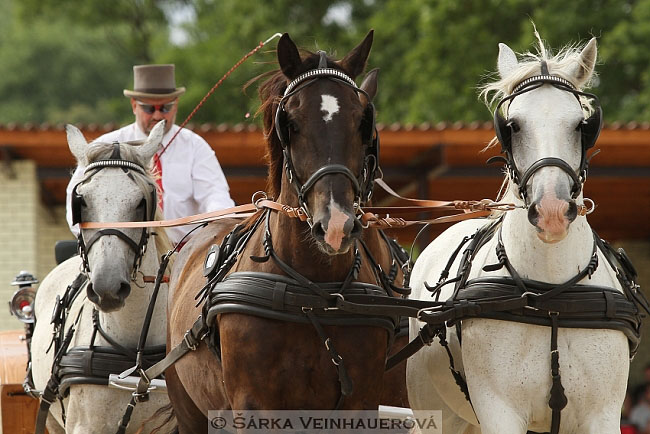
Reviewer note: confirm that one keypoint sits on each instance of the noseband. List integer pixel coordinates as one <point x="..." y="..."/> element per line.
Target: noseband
<point x="139" y="248"/>
<point x="589" y="131"/>
<point x="363" y="183"/>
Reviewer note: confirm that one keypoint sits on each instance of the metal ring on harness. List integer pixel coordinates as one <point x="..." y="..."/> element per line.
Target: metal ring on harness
<point x="255" y="199"/>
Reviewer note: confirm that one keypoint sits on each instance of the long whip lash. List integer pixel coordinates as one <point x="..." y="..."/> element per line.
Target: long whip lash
<point x="217" y="84"/>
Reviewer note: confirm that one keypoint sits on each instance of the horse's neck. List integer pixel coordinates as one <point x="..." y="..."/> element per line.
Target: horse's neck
<point x="125" y="324"/>
<point x="534" y="259"/>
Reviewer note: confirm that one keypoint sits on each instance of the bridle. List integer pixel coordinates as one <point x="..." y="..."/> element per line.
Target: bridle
<point x="363" y="183"/>
<point x="139" y="248"/>
<point x="589" y="131"/>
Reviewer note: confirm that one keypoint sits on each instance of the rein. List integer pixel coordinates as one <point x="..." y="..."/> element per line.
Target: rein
<point x="370" y="217"/>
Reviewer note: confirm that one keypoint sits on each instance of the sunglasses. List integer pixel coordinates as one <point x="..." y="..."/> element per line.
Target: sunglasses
<point x="151" y="108"/>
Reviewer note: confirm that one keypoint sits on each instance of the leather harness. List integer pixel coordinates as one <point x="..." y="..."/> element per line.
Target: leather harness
<point x="93" y="364"/>
<point x="291" y="298"/>
<point x="513" y="298"/>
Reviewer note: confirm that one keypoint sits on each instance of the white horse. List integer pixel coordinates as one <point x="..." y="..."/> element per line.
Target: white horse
<point x="507" y="365"/>
<point x="120" y="193"/>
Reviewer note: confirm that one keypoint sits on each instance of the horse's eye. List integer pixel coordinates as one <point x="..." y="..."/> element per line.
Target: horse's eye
<point x="514" y="126"/>
<point x="291" y="125"/>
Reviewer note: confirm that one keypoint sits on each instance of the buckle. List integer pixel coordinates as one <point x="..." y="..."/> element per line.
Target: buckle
<point x="140" y="397"/>
<point x="191" y="344"/>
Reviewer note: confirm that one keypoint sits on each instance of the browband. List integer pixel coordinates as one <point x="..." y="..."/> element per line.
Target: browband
<point x="329" y="72"/>
<point x="547" y="78"/>
<point x="115" y="163"/>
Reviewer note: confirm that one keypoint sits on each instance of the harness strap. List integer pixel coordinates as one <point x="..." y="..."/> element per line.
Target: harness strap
<point x="48" y="396"/>
<point x="558" y="399"/>
<point x="337" y="360"/>
<point x="100" y="233"/>
<point x="51" y="391"/>
<point x="425" y="337"/>
<point x="190" y="342"/>
<point x="460" y="381"/>
<point x="143" y="396"/>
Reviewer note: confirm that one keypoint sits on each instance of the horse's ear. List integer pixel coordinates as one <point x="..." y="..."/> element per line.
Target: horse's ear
<point x="585" y="63"/>
<point x="77" y="143"/>
<point x="288" y="57"/>
<point x="507" y="62"/>
<point x="355" y="62"/>
<point x="150" y="146"/>
<point x="369" y="85"/>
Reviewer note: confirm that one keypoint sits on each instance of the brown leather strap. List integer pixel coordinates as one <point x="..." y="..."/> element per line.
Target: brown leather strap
<point x="421" y="202"/>
<point x="293" y="212"/>
<point x="237" y="211"/>
<point x="369" y="219"/>
<point x="374" y="221"/>
<point x="152" y="279"/>
<point x="373" y="217"/>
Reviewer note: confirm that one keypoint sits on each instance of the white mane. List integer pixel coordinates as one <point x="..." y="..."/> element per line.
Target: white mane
<point x="560" y="64"/>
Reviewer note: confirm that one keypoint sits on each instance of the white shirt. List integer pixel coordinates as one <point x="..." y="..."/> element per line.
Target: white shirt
<point x="192" y="179"/>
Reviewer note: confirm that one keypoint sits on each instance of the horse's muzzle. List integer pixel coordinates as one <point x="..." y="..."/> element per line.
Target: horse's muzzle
<point x="108" y="300"/>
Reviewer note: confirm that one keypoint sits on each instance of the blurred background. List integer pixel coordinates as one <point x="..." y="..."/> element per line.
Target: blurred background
<point x="67" y="61"/>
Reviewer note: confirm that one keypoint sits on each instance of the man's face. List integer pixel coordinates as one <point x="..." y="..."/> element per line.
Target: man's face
<point x="148" y="112"/>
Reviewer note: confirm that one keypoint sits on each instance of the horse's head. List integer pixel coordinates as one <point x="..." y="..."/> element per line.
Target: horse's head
<point x="116" y="187"/>
<point x="546" y="131"/>
<point x="320" y="128"/>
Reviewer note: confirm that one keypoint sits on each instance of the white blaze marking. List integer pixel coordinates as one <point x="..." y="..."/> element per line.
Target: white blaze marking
<point x="330" y="105"/>
<point x="336" y="226"/>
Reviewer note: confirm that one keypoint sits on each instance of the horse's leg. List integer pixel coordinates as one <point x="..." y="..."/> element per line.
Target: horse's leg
<point x="188" y="416"/>
<point x="602" y="423"/>
<point x="394" y="391"/>
<point x="497" y="417"/>
<point x="53" y="426"/>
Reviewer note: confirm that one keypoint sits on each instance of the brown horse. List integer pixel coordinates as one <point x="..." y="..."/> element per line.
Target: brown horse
<point x="269" y="307"/>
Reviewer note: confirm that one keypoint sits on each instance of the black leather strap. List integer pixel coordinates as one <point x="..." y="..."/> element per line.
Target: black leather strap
<point x="558" y="399"/>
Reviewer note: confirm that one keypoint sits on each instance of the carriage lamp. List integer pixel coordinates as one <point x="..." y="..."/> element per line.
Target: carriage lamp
<point x="22" y="302"/>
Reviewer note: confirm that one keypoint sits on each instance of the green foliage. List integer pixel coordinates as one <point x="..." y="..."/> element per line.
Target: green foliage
<point x="68" y="60"/>
<point x="226" y="30"/>
<point x="57" y="72"/>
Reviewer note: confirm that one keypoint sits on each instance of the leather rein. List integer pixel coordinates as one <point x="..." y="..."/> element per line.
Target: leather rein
<point x="371" y="217"/>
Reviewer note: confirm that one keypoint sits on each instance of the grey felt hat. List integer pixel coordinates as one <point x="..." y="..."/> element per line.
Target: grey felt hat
<point x="155" y="82"/>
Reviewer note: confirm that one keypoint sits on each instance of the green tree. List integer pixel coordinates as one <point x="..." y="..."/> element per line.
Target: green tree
<point x="432" y="53"/>
<point x="133" y="27"/>
<point x="225" y="30"/>
<point x="53" y="71"/>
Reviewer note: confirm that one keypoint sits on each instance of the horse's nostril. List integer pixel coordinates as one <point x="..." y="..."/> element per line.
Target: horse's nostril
<point x="533" y="214"/>
<point x="356" y="229"/>
<point x="124" y="291"/>
<point x="572" y="211"/>
<point x="317" y="231"/>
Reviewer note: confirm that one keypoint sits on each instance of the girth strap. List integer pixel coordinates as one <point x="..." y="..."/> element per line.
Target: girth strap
<point x="337" y="360"/>
<point x="558" y="399"/>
